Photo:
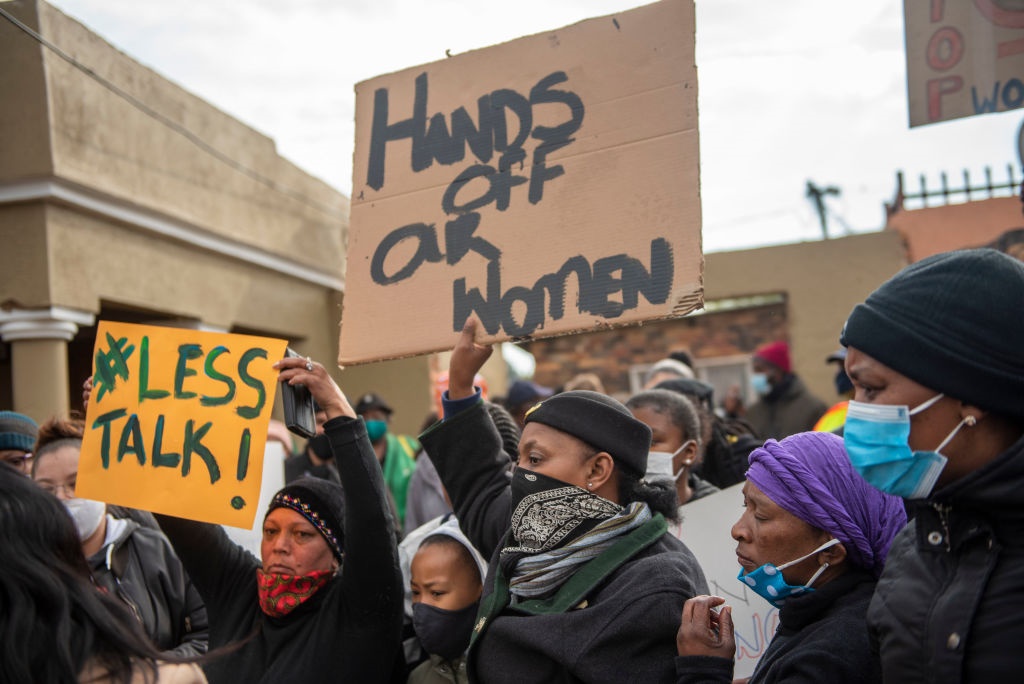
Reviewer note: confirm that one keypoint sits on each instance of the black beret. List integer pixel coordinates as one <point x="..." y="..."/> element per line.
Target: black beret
<point x="952" y="322"/>
<point x="601" y="422"/>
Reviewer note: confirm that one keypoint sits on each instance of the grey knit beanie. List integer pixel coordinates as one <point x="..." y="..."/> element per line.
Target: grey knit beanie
<point x="17" y="431"/>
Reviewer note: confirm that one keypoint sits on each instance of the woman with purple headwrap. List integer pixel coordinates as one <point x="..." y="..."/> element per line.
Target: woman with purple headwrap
<point x="812" y="541"/>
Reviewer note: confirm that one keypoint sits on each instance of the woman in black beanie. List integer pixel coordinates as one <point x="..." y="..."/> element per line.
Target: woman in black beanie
<point x="936" y="355"/>
<point x="325" y="603"/>
<point x="584" y="584"/>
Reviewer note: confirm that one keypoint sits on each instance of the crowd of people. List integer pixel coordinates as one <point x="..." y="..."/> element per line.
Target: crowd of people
<point x="542" y="538"/>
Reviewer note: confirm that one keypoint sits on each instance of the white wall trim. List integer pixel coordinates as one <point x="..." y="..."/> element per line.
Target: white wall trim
<point x="86" y="199"/>
<point x="53" y="323"/>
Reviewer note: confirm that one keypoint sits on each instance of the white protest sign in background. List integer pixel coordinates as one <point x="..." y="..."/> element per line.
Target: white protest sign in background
<point x="548" y="185"/>
<point x="706" y="529"/>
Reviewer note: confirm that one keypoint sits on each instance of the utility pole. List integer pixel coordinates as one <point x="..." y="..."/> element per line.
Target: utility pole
<point x="817" y="196"/>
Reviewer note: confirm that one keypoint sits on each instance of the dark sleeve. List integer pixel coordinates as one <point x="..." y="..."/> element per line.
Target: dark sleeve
<point x="218" y="567"/>
<point x="371" y="580"/>
<point x="196" y="630"/>
<point x="467" y="452"/>
<point x="703" y="670"/>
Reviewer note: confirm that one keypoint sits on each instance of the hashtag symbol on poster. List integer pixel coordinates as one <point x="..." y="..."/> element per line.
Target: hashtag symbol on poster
<point x="111" y="365"/>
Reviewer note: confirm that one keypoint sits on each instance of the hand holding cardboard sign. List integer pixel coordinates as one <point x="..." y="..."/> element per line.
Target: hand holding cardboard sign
<point x="468" y="358"/>
<point x="314" y="376"/>
<point x="705" y="631"/>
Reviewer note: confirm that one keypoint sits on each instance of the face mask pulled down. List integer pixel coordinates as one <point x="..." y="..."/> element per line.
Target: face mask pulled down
<point x="87" y="514"/>
<point x="768" y="583"/>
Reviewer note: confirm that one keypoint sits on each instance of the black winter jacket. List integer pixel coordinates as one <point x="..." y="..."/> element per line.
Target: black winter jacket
<point x="141" y="569"/>
<point x="949" y="604"/>
<point x="613" y="621"/>
<point x="348" y="631"/>
<point x="822" y="637"/>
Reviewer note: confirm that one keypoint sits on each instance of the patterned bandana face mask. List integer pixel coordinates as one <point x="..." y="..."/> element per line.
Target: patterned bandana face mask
<point x="281" y="594"/>
<point x="548" y="513"/>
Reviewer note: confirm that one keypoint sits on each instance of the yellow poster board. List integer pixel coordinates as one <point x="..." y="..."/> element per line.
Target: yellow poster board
<point x="177" y="421"/>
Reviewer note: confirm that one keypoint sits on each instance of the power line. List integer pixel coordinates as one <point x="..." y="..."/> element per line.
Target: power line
<point x="173" y="125"/>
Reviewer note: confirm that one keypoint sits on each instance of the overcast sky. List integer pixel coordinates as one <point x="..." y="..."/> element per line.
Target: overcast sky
<point x="788" y="92"/>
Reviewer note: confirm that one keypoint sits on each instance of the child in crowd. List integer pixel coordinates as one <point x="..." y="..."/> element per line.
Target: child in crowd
<point x="446" y="583"/>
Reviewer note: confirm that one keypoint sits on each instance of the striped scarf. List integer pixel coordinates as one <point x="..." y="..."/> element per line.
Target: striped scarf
<point x="540" y="574"/>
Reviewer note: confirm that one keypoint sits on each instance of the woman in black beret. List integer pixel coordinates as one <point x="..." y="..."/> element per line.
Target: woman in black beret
<point x="936" y="356"/>
<point x="584" y="584"/>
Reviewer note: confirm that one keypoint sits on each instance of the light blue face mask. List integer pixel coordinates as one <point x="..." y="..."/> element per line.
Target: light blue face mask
<point x="876" y="438"/>
<point x="759" y="381"/>
<point x="768" y="583"/>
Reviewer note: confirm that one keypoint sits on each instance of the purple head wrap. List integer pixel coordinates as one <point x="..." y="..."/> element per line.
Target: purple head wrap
<point x="809" y="475"/>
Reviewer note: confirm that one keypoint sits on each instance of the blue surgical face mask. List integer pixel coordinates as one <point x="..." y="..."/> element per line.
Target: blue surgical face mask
<point x="375" y="429"/>
<point x="876" y="438"/>
<point x="768" y="583"/>
<point x="759" y="381"/>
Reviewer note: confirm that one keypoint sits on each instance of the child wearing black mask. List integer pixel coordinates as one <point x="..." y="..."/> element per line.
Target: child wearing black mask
<point x="446" y="584"/>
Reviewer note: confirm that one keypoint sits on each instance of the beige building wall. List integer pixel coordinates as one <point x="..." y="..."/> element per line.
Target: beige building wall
<point x="933" y="230"/>
<point x="151" y="201"/>
<point x="822" y="282"/>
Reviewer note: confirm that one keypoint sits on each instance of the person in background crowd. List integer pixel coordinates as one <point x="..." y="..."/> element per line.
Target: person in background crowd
<point x="427" y="499"/>
<point x="585" y="381"/>
<point x="395" y="453"/>
<point x="445" y="581"/>
<point x="667" y="369"/>
<point x="522" y="395"/>
<point x="785" y="406"/>
<point x="130" y="561"/>
<point x="725" y="442"/>
<point x="935" y="356"/>
<point x="17" y="435"/>
<point x="676" y="444"/>
<point x="325" y="603"/>
<point x="812" y="540"/>
<point x="316" y="460"/>
<point x="55" y="626"/>
<point x="835" y="417"/>
<point x="591" y="594"/>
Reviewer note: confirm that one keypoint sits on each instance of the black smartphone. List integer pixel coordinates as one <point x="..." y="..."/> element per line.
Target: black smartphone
<point x="299" y="408"/>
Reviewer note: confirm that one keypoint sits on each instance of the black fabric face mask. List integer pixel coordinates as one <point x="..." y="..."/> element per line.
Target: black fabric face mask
<point x="443" y="632"/>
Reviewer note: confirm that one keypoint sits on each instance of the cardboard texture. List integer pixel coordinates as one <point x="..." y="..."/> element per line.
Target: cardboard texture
<point x="177" y="421"/>
<point x="963" y="58"/>
<point x="755" y="621"/>
<point x="548" y="185"/>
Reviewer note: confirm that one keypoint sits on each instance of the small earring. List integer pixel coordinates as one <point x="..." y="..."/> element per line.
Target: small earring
<point x="590" y="485"/>
<point x="970" y="421"/>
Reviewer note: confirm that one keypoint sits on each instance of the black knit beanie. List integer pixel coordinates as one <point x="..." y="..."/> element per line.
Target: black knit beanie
<point x="601" y="422"/>
<point x="953" y="322"/>
<point x="319" y="501"/>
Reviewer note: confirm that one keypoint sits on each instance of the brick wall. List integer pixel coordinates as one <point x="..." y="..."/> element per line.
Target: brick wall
<point x="610" y="353"/>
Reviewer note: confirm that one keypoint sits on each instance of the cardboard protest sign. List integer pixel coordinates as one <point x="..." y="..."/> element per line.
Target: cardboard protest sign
<point x="706" y="530"/>
<point x="963" y="58"/>
<point x="547" y="185"/>
<point x="177" y="421"/>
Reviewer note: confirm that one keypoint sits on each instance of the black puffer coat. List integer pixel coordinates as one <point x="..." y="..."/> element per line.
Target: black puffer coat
<point x="949" y="605"/>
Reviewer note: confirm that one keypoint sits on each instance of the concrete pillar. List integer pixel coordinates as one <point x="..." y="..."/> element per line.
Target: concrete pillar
<point x="39" y="357"/>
